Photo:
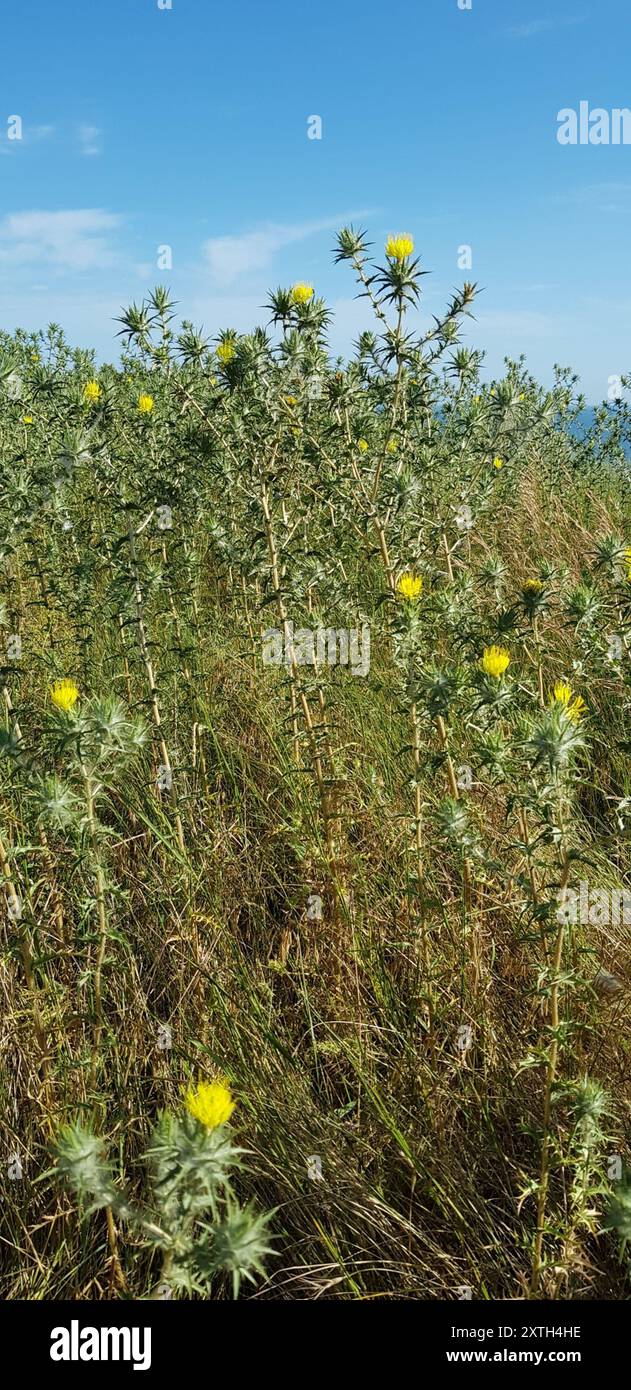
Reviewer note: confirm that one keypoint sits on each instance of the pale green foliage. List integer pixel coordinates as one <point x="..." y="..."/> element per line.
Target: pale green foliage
<point x="163" y="838"/>
<point x="191" y="1214"/>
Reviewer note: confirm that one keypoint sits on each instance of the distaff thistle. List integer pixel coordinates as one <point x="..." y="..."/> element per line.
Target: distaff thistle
<point x="193" y="1216"/>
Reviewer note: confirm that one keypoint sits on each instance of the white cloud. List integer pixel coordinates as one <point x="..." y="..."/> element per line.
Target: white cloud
<point x="71" y="240"/>
<point x="232" y="256"/>
<point x="90" y="139"/>
<point x="31" y="134"/>
<point x="601" y="197"/>
<point x="515" y="323"/>
<point x="212" y="312"/>
<point x="542" y="26"/>
<point x="38" y="132"/>
<point x="87" y="320"/>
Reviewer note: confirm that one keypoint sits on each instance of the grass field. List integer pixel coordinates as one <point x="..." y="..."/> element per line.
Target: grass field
<point x="349" y="899"/>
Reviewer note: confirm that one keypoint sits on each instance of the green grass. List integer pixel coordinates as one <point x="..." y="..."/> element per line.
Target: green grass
<point x="338" y="1036"/>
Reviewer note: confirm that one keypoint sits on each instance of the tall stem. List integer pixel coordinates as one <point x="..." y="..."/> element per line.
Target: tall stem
<point x="151" y="681"/>
<point x="551" y="1073"/>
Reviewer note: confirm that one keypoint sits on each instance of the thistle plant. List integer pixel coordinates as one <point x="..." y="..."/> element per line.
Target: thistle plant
<point x="192" y="1216"/>
<point x="554" y="743"/>
<point x="97" y="741"/>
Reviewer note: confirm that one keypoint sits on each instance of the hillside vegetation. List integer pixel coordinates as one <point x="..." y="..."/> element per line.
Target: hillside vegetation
<point x="346" y="900"/>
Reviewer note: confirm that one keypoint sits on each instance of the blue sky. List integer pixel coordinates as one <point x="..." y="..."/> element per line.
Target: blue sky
<point x="144" y="127"/>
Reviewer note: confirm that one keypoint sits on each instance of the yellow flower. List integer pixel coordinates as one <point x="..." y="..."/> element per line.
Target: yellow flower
<point x="64" y="694"/>
<point x="533" y="587"/>
<point x="362" y="445"/>
<point x="145" y="404"/>
<point x="301" y="294"/>
<point x="494" y="661"/>
<point x="398" y="247"/>
<point x="498" y="462"/>
<point x="410" y="587"/>
<point x="92" y="392"/>
<point x="226" y="352"/>
<point x="210" y="1102"/>
<point x="28" y="420"/>
<point x="392" y="446"/>
<point x="574" y="705"/>
<point x="290" y="400"/>
<point x="34" y="357"/>
<point x="562" y="693"/>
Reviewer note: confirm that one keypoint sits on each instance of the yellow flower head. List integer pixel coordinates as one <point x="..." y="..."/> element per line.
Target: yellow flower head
<point x="392" y="446"/>
<point x="301" y="294"/>
<point x="498" y="462"/>
<point x="145" y="404"/>
<point x="410" y="587"/>
<point x="362" y="445"/>
<point x="399" y="247"/>
<point x="494" y="661"/>
<point x="532" y="587"/>
<point x="210" y="1102"/>
<point x="64" y="694"/>
<point x="92" y="392"/>
<point x="290" y="400"/>
<point x="574" y="705"/>
<point x="27" y="420"/>
<point x="34" y="357"/>
<point x="226" y="352"/>
<point x="562" y="693"/>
